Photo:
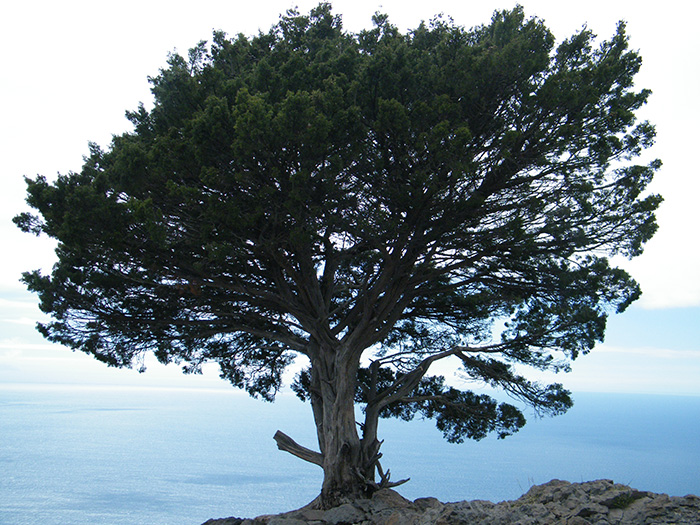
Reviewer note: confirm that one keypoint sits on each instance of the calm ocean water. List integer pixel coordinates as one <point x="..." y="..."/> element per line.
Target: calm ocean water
<point x="81" y="455"/>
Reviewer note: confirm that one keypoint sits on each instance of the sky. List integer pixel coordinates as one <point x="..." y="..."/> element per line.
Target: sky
<point x="72" y="68"/>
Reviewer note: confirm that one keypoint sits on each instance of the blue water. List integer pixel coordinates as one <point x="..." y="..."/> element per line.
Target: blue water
<point x="79" y="455"/>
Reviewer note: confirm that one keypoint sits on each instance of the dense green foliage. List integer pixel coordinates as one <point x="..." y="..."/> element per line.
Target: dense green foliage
<point x="377" y="198"/>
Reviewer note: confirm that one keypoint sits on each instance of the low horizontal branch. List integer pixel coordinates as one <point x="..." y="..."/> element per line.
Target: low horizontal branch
<point x="284" y="442"/>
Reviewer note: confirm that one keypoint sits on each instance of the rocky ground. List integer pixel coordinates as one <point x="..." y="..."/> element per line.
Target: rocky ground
<point x="557" y="502"/>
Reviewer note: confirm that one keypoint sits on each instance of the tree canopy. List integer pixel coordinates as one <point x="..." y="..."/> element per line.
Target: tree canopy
<point x="374" y="202"/>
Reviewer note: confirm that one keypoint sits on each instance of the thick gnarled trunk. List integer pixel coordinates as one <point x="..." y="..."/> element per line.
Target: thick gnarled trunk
<point x="349" y="463"/>
<point x="333" y="399"/>
<point x="332" y="393"/>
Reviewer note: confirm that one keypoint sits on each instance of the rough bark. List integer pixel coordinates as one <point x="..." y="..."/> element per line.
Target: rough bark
<point x="342" y="455"/>
<point x="332" y="396"/>
<point x="350" y="464"/>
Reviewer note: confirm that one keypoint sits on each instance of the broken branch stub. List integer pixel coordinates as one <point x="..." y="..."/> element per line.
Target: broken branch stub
<point x="284" y="442"/>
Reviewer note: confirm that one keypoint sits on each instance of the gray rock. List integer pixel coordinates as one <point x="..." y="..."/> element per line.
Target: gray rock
<point x="599" y="502"/>
<point x="282" y="520"/>
<point x="346" y="513"/>
<point x="427" y="503"/>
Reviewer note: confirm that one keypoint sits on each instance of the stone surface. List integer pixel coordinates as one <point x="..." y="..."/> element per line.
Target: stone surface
<point x="600" y="502"/>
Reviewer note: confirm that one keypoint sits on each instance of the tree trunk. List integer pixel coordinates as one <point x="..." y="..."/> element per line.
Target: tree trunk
<point x="349" y="464"/>
<point x="335" y="381"/>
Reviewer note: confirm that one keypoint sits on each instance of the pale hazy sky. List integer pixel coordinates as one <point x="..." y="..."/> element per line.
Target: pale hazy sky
<point x="71" y="69"/>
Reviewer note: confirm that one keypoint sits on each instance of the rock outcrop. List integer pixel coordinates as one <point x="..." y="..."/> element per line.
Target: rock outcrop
<point x="557" y="502"/>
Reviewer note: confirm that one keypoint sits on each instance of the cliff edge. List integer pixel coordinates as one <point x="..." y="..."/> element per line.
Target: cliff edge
<point x="557" y="502"/>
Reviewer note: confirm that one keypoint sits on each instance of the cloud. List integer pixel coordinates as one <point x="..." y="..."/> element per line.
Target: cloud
<point x="19" y="345"/>
<point x="15" y="304"/>
<point x="650" y="352"/>
<point x="26" y="321"/>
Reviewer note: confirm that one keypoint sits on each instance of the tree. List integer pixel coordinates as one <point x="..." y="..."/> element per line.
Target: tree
<point x="373" y="202"/>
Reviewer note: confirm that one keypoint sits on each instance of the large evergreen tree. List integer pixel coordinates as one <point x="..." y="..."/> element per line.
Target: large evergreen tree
<point x="374" y="202"/>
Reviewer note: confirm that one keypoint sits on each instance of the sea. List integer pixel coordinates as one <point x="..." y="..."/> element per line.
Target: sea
<point x="130" y="455"/>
